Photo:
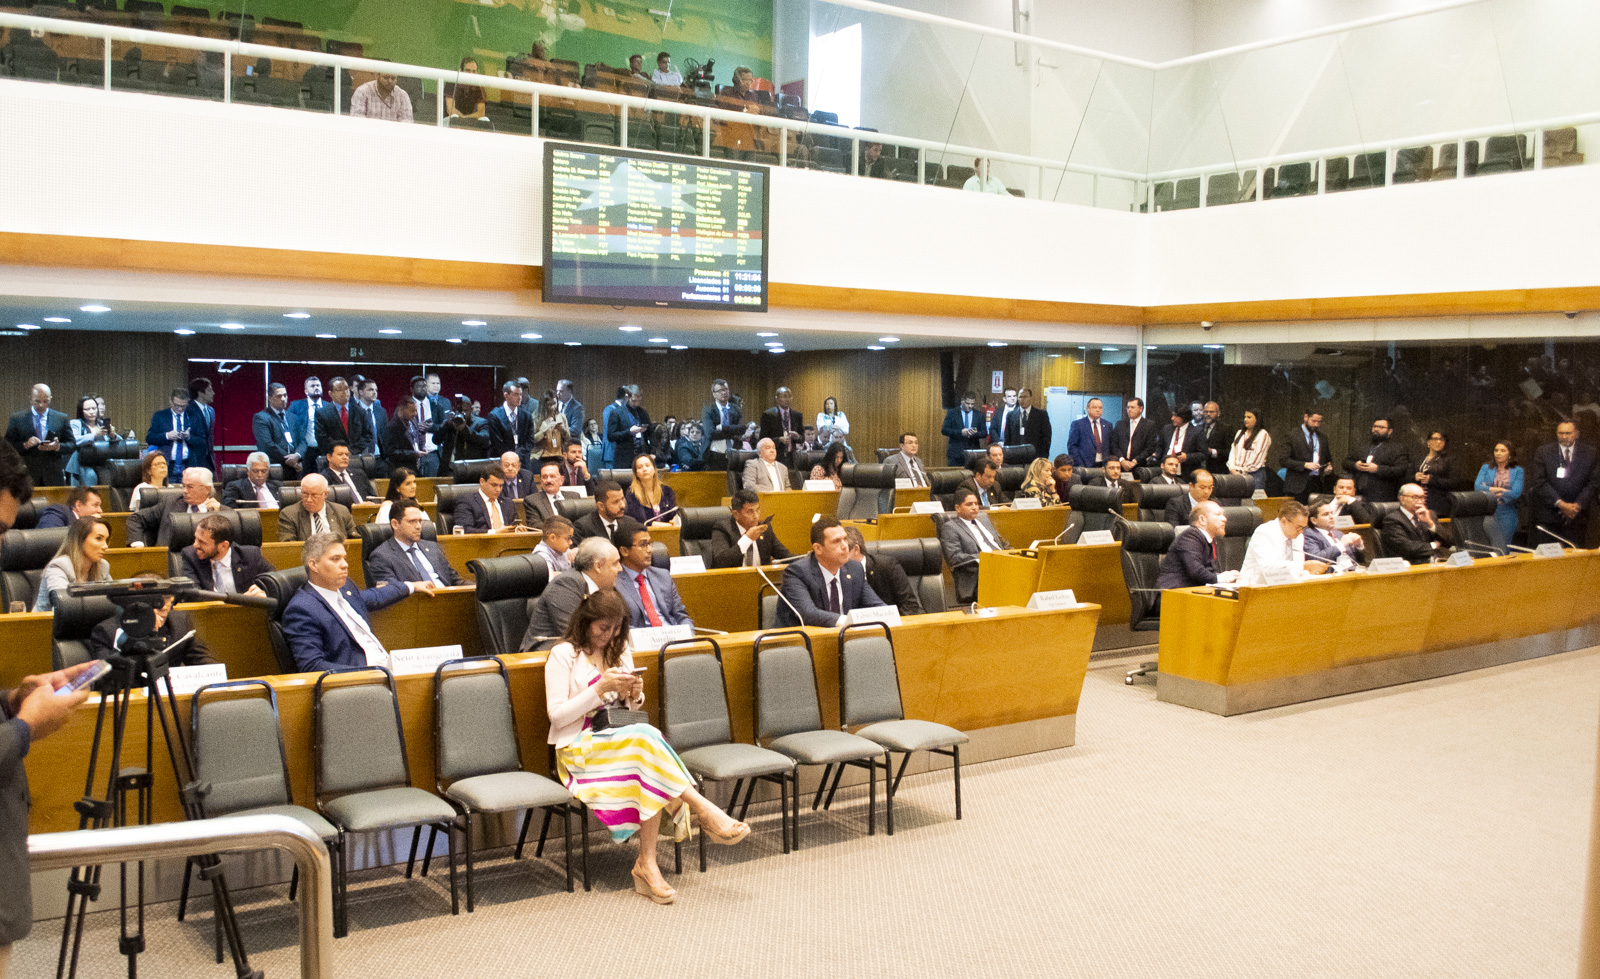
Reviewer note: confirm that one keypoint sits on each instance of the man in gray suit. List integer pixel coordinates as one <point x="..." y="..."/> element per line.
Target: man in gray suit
<point x="540" y="505"/>
<point x="407" y="556"/>
<point x="594" y="568"/>
<point x="651" y="596"/>
<point x="315" y="513"/>
<point x="906" y="464"/>
<point x="964" y="536"/>
<point x="766" y="474"/>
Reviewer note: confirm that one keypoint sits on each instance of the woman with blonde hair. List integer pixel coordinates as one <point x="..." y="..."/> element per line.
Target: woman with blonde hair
<point x="550" y="432"/>
<point x="647" y="498"/>
<point x="1040" y="483"/>
<point x="81" y="557"/>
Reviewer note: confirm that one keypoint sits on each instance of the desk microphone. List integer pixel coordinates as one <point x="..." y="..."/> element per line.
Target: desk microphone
<point x="781" y="596"/>
<point x="1054" y="540"/>
<point x="1479" y="549"/>
<point x="662" y="516"/>
<point x="238" y="598"/>
<point x="1520" y="550"/>
<point x="1559" y="537"/>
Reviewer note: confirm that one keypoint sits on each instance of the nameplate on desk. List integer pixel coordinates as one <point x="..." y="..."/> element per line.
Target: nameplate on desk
<point x="1026" y="503"/>
<point x="887" y="614"/>
<point x="688" y="564"/>
<point x="642" y="640"/>
<point x="904" y="482"/>
<point x="1344" y="521"/>
<point x="927" y="506"/>
<point x="1051" y="601"/>
<point x="575" y="492"/>
<point x="187" y="679"/>
<point x="1548" y="550"/>
<point x="1096" y="537"/>
<point x="1460" y="559"/>
<point x="818" y="486"/>
<point x="1388" y="565"/>
<point x="422" y="659"/>
<point x="1277" y="574"/>
<point x="1259" y="495"/>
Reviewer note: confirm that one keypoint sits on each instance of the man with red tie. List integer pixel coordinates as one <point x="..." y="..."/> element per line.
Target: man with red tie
<point x="1191" y="561"/>
<point x="337" y="421"/>
<point x="651" y="596"/>
<point x="1087" y="441"/>
<point x="782" y="424"/>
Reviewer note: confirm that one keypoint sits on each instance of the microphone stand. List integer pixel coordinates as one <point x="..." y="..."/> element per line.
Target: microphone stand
<point x="1558" y="537"/>
<point x="779" y="592"/>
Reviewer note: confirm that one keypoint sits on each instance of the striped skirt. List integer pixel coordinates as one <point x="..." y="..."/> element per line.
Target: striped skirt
<point x="625" y="776"/>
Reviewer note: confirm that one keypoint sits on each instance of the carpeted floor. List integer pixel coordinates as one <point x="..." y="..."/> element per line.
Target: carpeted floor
<point x="1431" y="830"/>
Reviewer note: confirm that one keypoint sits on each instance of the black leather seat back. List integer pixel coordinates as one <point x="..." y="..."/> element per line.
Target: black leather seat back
<point x="445" y="497"/>
<point x="1019" y="455"/>
<point x="504" y="586"/>
<point x="970" y="456"/>
<point x="246" y="528"/>
<point x="943" y="481"/>
<point x="800" y="464"/>
<point x="874" y="486"/>
<point x="471" y="470"/>
<point x="923" y="562"/>
<point x="73" y="625"/>
<point x="622" y="477"/>
<point x="1232" y="490"/>
<point x="290" y="495"/>
<point x="1380" y="513"/>
<point x="281" y="586"/>
<point x="736" y="461"/>
<point x="1469" y="510"/>
<point x="371" y="535"/>
<point x="575" y="509"/>
<point x="28" y="514"/>
<point x="694" y="536"/>
<point x="1231" y="547"/>
<point x="230" y="472"/>
<point x="23" y="555"/>
<point x="1100" y="506"/>
<point x="1011" y="477"/>
<point x="1143" y="544"/>
<point x="1153" y="500"/>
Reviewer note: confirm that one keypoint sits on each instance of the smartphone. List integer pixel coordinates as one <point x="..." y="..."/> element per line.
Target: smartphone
<point x="638" y="670"/>
<point x="93" y="673"/>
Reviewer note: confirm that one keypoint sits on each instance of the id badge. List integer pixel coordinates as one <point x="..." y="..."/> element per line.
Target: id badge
<point x="1561" y="472"/>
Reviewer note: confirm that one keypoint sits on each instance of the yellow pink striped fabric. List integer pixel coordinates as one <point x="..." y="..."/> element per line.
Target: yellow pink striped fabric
<point x="625" y="776"/>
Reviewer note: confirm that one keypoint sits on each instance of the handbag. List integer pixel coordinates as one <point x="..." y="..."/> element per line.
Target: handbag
<point x="607" y="718"/>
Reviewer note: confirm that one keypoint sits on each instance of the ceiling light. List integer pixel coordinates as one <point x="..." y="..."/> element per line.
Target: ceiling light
<point x="231" y="326"/>
<point x="875" y="346"/>
<point x="326" y="336"/>
<point x="473" y="323"/>
<point x="533" y="336"/>
<point x="184" y="333"/>
<point x="680" y="346"/>
<point x="775" y="350"/>
<point x="888" y="339"/>
<point x="572" y="343"/>
<point x="27" y="326"/>
<point x="766" y="334"/>
<point x="773" y="343"/>
<point x="1151" y="346"/>
<point x="389" y="332"/>
<point x="1055" y="355"/>
<point x="56" y="319"/>
<point x="998" y="343"/>
<point x="453" y="340"/>
<point x="95" y="308"/>
<point x="1213" y="346"/>
<point x="630" y="329"/>
<point x="659" y="340"/>
<point x="296" y="316"/>
<point x="1111" y="349"/>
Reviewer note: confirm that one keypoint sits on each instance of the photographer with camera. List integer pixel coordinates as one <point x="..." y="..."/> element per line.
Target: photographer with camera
<point x="460" y="437"/>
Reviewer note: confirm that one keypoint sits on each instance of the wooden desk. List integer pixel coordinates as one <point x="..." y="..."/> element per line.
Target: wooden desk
<point x="698" y="489"/>
<point x="1020" y="527"/>
<point x="791" y="512"/>
<point x="1328" y="636"/>
<point x="953" y="669"/>
<point x="1092" y="571"/>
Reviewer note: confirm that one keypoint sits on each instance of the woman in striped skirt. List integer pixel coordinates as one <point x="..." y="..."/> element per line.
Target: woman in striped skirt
<point x="625" y="775"/>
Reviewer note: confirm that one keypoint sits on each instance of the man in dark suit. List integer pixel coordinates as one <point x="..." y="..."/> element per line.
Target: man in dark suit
<point x="315" y="513"/>
<point x="567" y="401"/>
<point x="303" y="425"/>
<point x="963" y="428"/>
<point x="488" y="511"/>
<point x="463" y="436"/>
<point x="336" y="468"/>
<point x="216" y="563"/>
<point x="1089" y="438"/>
<point x="1563" y="480"/>
<point x="651" y="596"/>
<point x="825" y="585"/>
<point x="539" y="505"/>
<point x="510" y="425"/>
<point x="574" y="471"/>
<point x="374" y="419"/>
<point x="609" y="506"/>
<point x="404" y="442"/>
<point x="257" y="485"/>
<point x="1029" y="425"/>
<point x="274" y="434"/>
<point x="1183" y="440"/>
<point x="81" y="502"/>
<point x="595" y="566"/>
<point x="1216" y="438"/>
<point x="721" y="422"/>
<point x="407" y="556"/>
<point x="338" y="420"/>
<point x="1381" y="469"/>
<point x="963" y="537"/>
<point x="1127" y="486"/>
<point x="202" y="424"/>
<point x="1170" y="473"/>
<point x="431" y="412"/>
<point x="1309" y="461"/>
<point x="782" y="424"/>
<point x="628" y="430"/>
<point x="326" y="622"/>
<point x="1201" y="483"/>
<point x="885" y="576"/>
<point x="1133" y="440"/>
<point x="170" y="432"/>
<point x="985" y="485"/>
<point x="1413" y="532"/>
<point x="1191" y="561"/>
<point x="520" y="479"/>
<point x="743" y="539"/>
<point x="1346" y="502"/>
<point x="1002" y="416"/>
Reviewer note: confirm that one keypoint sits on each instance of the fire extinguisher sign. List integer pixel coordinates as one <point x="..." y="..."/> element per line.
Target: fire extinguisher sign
<point x="997" y="383"/>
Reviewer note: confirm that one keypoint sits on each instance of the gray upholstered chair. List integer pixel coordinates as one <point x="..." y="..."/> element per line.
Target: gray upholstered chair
<point x="363" y="781"/>
<point x="692" y="695"/>
<point x="869" y="700"/>
<point x="241" y="768"/>
<point x="1235" y="543"/>
<point x="788" y="717"/>
<point x="478" y="759"/>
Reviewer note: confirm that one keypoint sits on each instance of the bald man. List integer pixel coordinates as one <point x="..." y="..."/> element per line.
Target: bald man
<point x="38" y="433"/>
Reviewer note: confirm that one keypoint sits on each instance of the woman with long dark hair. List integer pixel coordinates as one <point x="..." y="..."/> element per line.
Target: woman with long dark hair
<point x="1248" y="456"/>
<point x="1435" y="473"/>
<point x="402" y="489"/>
<point x="1502" y="479"/>
<point x="832" y="462"/>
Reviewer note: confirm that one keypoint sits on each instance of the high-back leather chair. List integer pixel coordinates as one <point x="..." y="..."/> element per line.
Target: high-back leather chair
<point x="1018" y="455"/>
<point x="1143" y="545"/>
<point x="28" y="514"/>
<point x="694" y="536"/>
<point x="290" y="495"/>
<point x="873" y="483"/>
<point x="1231" y="547"/>
<point x="281" y="586"/>
<point x="622" y="477"/>
<point x="1012" y="477"/>
<point x="923" y="562"/>
<point x="575" y="508"/>
<point x="246" y="530"/>
<point x="371" y="535"/>
<point x="1469" y="512"/>
<point x="121" y="476"/>
<point x="1153" y="500"/>
<point x="73" y="625"/>
<point x="800" y="464"/>
<point x="943" y="481"/>
<point x="230" y="472"/>
<point x="23" y="555"/>
<point x="1100" y="506"/>
<point x="1380" y="513"/>
<point x="445" y="497"/>
<point x="971" y="456"/>
<point x="1232" y="489"/>
<point x="145" y="525"/>
<point x="471" y="470"/>
<point x="504" y="586"/>
<point x="736" y="461"/>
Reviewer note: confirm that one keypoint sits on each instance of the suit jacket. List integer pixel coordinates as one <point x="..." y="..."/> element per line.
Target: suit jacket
<point x="1403" y="537"/>
<point x="1177" y="511"/>
<point x="997" y="424"/>
<point x="955" y="450"/>
<point x="1080" y="442"/>
<point x="589" y="525"/>
<point x="473" y="517"/>
<point x="159" y="517"/>
<point x="243" y="489"/>
<point x="372" y="425"/>
<point x="1140" y="445"/>
<point x="1188" y="563"/>
<point x="1162" y="479"/>
<point x="1358" y="509"/>
<point x="1394" y="469"/>
<point x="317" y="637"/>
<point x="522" y="486"/>
<point x="465" y="441"/>
<point x="757" y="477"/>
<point x="330" y="430"/>
<point x="1297" y="481"/>
<point x="46" y="468"/>
<point x="908" y="467"/>
<point x="54" y="515"/>
<point x="573" y="409"/>
<point x="725" y="551"/>
<point x="1038" y="434"/>
<point x="303" y="426"/>
<point x="997" y="495"/>
<point x="536" y="508"/>
<point x="510" y="434"/>
<point x="1193" y="446"/>
<point x="397" y="448"/>
<point x="624" y="444"/>
<point x="572" y="476"/>
<point x="1219" y="440"/>
<point x="1577" y="486"/>
<point x="363" y="485"/>
<point x="389" y="562"/>
<point x="247" y="563"/>
<point x="663" y="594"/>
<point x="202" y="422"/>
<point x="772" y="428"/>
<point x="806" y="589"/>
<point x="961" y="552"/>
<point x="294" y="523"/>
<point x="1320" y="546"/>
<point x="273" y="434"/>
<point x="711" y="422"/>
<point x="888" y="581"/>
<point x="551" y="612"/>
<point x="194" y="447"/>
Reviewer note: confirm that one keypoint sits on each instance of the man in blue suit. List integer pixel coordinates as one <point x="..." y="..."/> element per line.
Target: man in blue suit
<point x="964" y="428"/>
<point x="570" y="406"/>
<point x="273" y="433"/>
<point x="407" y="556"/>
<point x="303" y="425"/>
<point x="202" y="423"/>
<point x="326" y="622"/>
<point x="648" y="590"/>
<point x="473" y="513"/>
<point x="826" y="585"/>
<point x="171" y="432"/>
<point x="1089" y="439"/>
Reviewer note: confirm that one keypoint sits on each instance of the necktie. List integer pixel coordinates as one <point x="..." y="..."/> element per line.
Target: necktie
<point x="1213" y="552"/>
<point x="572" y="477"/>
<point x="222" y="577"/>
<point x="984" y="541"/>
<point x="644" y="600"/>
<point x="193" y="508"/>
<point x="177" y="447"/>
<point x="424" y="572"/>
<point x="1022" y="423"/>
<point x="264" y="497"/>
<point x="752" y="556"/>
<point x="724" y="412"/>
<point x="359" y="630"/>
<point x="1288" y="550"/>
<point x="983" y="496"/>
<point x="344" y="418"/>
<point x="1177" y="442"/>
<point x="916" y="473"/>
<point x="834" y="605"/>
<point x="38" y="426"/>
<point x="1097" y="443"/>
<point x="319" y="524"/>
<point x="966" y="419"/>
<point x="786" y="421"/>
<point x="283" y="426"/>
<point x="495" y="521"/>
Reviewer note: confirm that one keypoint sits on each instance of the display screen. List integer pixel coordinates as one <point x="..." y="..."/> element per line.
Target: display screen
<point x="624" y="228"/>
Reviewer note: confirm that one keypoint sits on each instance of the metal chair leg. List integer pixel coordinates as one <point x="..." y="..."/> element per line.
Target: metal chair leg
<point x="749" y="793"/>
<point x="872" y="798"/>
<point x="901" y="773"/>
<point x="467" y="834"/>
<point x="955" y="759"/>
<point x="837" y="775"/>
<point x="827" y="770"/>
<point x="544" y="830"/>
<point x="416" y="836"/>
<point x="888" y="793"/>
<point x="450" y="848"/>
<point x="583" y="829"/>
<point x="341" y="920"/>
<point x="794" y="800"/>
<point x="183" y="894"/>
<point x="427" y="858"/>
<point x="522" y="837"/>
<point x="783" y="812"/>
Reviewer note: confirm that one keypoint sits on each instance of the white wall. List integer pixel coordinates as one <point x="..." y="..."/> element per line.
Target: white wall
<point x="1224" y="23"/>
<point x="1150" y="30"/>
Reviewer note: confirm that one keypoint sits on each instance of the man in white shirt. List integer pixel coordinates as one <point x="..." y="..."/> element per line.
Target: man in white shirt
<point x="997" y="425"/>
<point x="665" y="74"/>
<point x="963" y="537"/>
<point x="766" y="474"/>
<point x="982" y="181"/>
<point x="326" y="622"/>
<point x="1279" y="544"/>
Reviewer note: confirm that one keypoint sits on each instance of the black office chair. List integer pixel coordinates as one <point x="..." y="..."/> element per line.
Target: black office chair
<point x="445" y="497"/>
<point x="1231" y="547"/>
<point x="575" y="509"/>
<point x="1380" y="513"/>
<point x="504" y="586"/>
<point x="694" y="535"/>
<point x="1153" y="500"/>
<point x="1101" y="506"/>
<point x="72" y="626"/>
<point x="943" y="481"/>
<point x="471" y="470"/>
<point x="1143" y="545"/>
<point x="246" y="530"/>
<point x="736" y="461"/>
<point x="1232" y="489"/>
<point x="873" y="485"/>
<point x="800" y="464"/>
<point x="923" y="562"/>
<point x="28" y="514"/>
<point x="281" y="586"/>
<point x="372" y="535"/>
<point x="1470" y="512"/>
<point x="23" y="555"/>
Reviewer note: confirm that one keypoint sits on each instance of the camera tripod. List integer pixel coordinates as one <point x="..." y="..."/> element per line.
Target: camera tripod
<point x="140" y="665"/>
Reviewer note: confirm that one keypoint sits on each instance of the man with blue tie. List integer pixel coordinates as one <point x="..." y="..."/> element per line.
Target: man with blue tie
<point x="570" y="406"/>
<point x="170" y="432"/>
<point x="303" y="424"/>
<point x="1087" y="440"/>
<point x="38" y="435"/>
<point x="366" y="402"/>
<point x="651" y="596"/>
<point x="963" y="427"/>
<point x="1306" y="467"/>
<point x="325" y="623"/>
<point x="203" y="423"/>
<point x="407" y="556"/>
<point x="273" y="433"/>
<point x="721" y="422"/>
<point x="511" y="425"/>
